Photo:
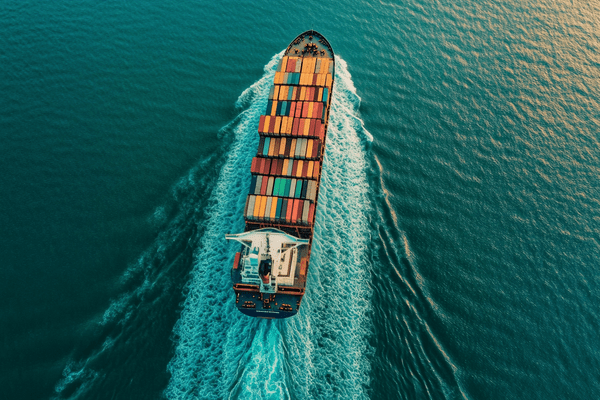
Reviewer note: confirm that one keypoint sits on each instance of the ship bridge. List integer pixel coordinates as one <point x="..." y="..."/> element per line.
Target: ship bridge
<point x="269" y="258"/>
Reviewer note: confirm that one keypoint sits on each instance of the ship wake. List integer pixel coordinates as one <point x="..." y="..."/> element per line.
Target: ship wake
<point x="323" y="351"/>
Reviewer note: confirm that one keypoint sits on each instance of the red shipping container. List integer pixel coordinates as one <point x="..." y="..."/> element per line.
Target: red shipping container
<point x="271" y="126"/>
<point x="296" y="125"/>
<point x="300" y="207"/>
<point x="311" y="213"/>
<point x="301" y="127"/>
<point x="318" y="110"/>
<point x="253" y="166"/>
<point x="322" y="132"/>
<point x="259" y="165"/>
<point x="295" y="168"/>
<point x="263" y="188"/>
<point x="291" y="65"/>
<point x="288" y="145"/>
<point x="305" y="106"/>
<point x="261" y="124"/>
<point x="316" y="148"/>
<point x="315" y="79"/>
<point x="267" y="166"/>
<point x="311" y="132"/>
<point x="295" y="211"/>
<point x="289" y="206"/>
<point x="273" y="167"/>
<point x="317" y="127"/>
<point x="280" y="167"/>
<point x="292" y="108"/>
<point x="305" y="169"/>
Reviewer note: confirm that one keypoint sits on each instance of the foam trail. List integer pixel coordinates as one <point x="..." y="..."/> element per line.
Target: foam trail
<point x="320" y="353"/>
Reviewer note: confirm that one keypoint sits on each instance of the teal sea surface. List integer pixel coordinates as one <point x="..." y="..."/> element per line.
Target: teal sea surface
<point x="457" y="240"/>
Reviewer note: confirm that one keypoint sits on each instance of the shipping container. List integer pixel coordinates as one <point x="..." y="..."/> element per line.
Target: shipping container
<point x="292" y="192"/>
<point x="317" y="170"/>
<point x="305" y="210"/>
<point x="302" y="152"/>
<point x="299" y="212"/>
<point x="283" y="210"/>
<point x="278" y="210"/>
<point x="258" y="185"/>
<point x="265" y="212"/>
<point x="286" y="190"/>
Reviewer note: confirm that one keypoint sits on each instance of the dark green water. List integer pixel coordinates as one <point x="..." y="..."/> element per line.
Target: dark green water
<point x="458" y="231"/>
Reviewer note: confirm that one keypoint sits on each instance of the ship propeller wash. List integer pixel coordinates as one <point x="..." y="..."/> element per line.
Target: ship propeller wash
<point x="269" y="272"/>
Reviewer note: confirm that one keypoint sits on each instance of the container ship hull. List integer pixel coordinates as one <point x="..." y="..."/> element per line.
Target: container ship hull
<point x="270" y="271"/>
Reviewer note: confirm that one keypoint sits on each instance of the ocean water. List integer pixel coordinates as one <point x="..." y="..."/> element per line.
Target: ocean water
<point x="457" y="244"/>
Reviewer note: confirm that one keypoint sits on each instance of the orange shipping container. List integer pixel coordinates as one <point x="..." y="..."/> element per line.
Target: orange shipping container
<point x="298" y="172"/>
<point x="277" y="125"/>
<point x="273" y="208"/>
<point x="282" y="146"/>
<point x="306" y="128"/>
<point x="257" y="206"/>
<point x="289" y="211"/>
<point x="302" y="93"/>
<point x="309" y="147"/>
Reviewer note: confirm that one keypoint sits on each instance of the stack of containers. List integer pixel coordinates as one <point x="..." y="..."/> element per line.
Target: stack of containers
<point x="287" y="167"/>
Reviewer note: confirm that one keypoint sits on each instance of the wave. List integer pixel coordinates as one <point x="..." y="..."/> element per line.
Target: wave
<point x="323" y="351"/>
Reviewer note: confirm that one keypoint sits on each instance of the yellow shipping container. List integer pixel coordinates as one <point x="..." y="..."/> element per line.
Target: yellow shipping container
<point x="306" y="127"/>
<point x="271" y="147"/>
<point x="283" y="92"/>
<point x="285" y="165"/>
<point x="324" y="66"/>
<point x="277" y="124"/>
<point x="273" y="208"/>
<point x="276" y="92"/>
<point x="257" y="205"/>
<point x="302" y="94"/>
<point x="311" y="165"/>
<point x="329" y="81"/>
<point x="283" y="64"/>
<point x="309" y="148"/>
<point x="298" y="172"/>
<point x="310" y="110"/>
<point x="282" y="146"/>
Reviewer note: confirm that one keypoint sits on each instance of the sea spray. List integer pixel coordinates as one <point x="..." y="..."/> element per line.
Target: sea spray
<point x="323" y="351"/>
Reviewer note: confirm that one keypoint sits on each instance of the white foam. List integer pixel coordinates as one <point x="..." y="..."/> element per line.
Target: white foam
<point x="323" y="351"/>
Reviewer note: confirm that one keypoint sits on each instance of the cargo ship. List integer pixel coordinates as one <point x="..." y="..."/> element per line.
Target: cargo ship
<point x="269" y="273"/>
